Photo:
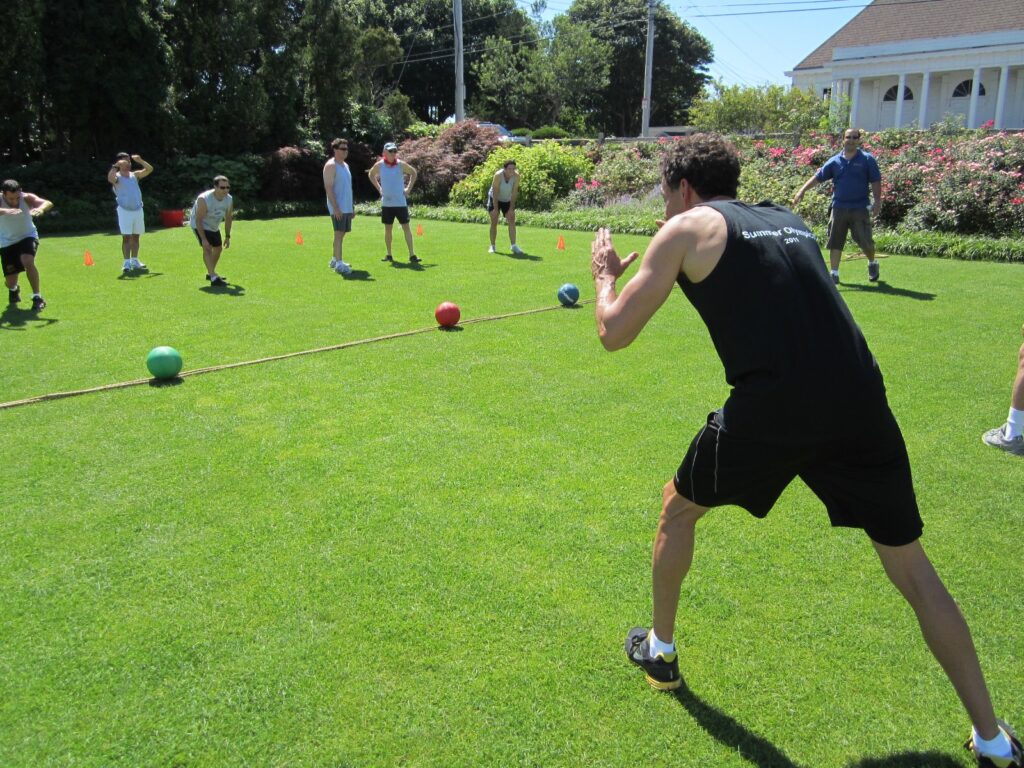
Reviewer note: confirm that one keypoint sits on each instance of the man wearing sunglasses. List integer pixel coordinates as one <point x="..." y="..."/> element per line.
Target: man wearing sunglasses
<point x="19" y="239"/>
<point x="211" y="208"/>
<point x="852" y="172"/>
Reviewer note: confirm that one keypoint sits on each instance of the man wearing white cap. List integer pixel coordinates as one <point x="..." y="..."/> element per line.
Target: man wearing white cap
<point x="388" y="176"/>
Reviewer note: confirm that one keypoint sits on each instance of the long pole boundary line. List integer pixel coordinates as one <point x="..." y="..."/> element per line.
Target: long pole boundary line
<point x="270" y="359"/>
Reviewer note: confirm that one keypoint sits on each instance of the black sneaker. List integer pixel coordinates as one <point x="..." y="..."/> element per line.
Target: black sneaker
<point x="388" y="258"/>
<point x="662" y="671"/>
<point x="219" y="281"/>
<point x="414" y="259"/>
<point x="13" y="297"/>
<point x="835" y="278"/>
<point x="1016" y="759"/>
<point x="873" y="271"/>
<point x="38" y="302"/>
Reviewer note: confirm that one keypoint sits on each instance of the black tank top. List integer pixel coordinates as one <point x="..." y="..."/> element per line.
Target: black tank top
<point x="799" y="366"/>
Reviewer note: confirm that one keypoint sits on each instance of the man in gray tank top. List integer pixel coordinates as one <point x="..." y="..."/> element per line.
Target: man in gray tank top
<point x="211" y="208"/>
<point x="788" y="343"/>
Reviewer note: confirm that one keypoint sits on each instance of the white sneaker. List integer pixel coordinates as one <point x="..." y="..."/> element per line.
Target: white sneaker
<point x="492" y="250"/>
<point x="333" y="264"/>
<point x="343" y="269"/>
<point x="136" y="264"/>
<point x="127" y="266"/>
<point x="517" y="250"/>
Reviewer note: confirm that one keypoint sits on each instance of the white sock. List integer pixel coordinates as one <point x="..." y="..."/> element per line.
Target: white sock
<point x="37" y="295"/>
<point x="1014" y="424"/>
<point x="657" y="646"/>
<point x="835" y="273"/>
<point x="997" y="747"/>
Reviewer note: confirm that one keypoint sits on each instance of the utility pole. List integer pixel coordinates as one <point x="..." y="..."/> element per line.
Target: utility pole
<point x="460" y="83"/>
<point x="645" y="126"/>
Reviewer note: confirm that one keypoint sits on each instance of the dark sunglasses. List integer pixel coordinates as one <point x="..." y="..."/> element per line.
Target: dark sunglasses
<point x="228" y="187"/>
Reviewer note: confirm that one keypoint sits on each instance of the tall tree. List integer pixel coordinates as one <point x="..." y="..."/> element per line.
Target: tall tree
<point x="21" y="97"/>
<point x="330" y="37"/>
<point x="681" y="56"/>
<point x="280" y="62"/>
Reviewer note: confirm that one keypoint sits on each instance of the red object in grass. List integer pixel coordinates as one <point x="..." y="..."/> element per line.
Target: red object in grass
<point x="447" y="314"/>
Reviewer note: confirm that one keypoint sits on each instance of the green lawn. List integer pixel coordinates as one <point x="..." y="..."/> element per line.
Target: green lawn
<point x="426" y="551"/>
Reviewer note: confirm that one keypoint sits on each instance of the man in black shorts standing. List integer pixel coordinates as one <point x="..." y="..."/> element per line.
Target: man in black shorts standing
<point x="791" y="350"/>
<point x="388" y="176"/>
<point x="19" y="239"/>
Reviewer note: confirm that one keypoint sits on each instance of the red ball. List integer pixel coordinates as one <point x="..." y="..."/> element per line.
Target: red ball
<point x="447" y="314"/>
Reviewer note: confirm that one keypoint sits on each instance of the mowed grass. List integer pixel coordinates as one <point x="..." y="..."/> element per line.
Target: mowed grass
<point x="426" y="551"/>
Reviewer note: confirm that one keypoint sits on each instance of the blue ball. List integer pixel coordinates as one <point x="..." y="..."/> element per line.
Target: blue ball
<point x="568" y="295"/>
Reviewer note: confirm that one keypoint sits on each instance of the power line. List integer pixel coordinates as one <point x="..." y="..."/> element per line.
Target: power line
<point x="810" y="10"/>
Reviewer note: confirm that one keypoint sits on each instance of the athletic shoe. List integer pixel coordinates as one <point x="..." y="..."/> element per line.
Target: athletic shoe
<point x="662" y="671"/>
<point x="219" y="281"/>
<point x="997" y="439"/>
<point x="835" y="278"/>
<point x="388" y="258"/>
<point x="517" y="250"/>
<point x="414" y="259"/>
<point x="38" y="302"/>
<point x="1016" y="759"/>
<point x="14" y="296"/>
<point x="136" y="264"/>
<point x="873" y="270"/>
<point x="492" y="249"/>
<point x="333" y="264"/>
<point x="343" y="268"/>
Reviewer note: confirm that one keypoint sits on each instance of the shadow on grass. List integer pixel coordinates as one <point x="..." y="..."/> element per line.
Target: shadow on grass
<point x="224" y="290"/>
<point x="883" y="287"/>
<point x="417" y="267"/>
<point x="358" y="274"/>
<point x="136" y="274"/>
<point x="762" y="753"/>
<point x="16" y="319"/>
<point x="520" y="256"/>
<point x="160" y="383"/>
<point x="451" y="328"/>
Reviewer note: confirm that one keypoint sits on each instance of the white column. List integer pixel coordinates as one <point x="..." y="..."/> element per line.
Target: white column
<point x="854" y="101"/>
<point x="972" y="115"/>
<point x="922" y="112"/>
<point x="899" y="99"/>
<point x="1004" y="76"/>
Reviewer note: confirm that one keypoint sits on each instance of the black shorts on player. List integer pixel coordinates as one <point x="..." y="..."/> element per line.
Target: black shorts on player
<point x="389" y="213"/>
<point x="213" y="238"/>
<point x="863" y="479"/>
<point x="10" y="256"/>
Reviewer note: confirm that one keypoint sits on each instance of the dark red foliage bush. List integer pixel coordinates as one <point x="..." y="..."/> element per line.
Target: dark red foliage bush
<point x="449" y="158"/>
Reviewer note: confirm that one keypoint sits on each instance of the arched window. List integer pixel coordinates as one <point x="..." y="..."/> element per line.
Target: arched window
<point x="964" y="89"/>
<point x="890" y="95"/>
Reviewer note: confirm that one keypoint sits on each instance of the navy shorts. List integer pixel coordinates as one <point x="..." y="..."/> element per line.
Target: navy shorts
<point x="343" y="223"/>
<point x="213" y="238"/>
<point x="10" y="256"/>
<point x="864" y="480"/>
<point x="389" y="213"/>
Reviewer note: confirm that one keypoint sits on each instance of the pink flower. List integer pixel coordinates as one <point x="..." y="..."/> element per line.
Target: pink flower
<point x="988" y="124"/>
<point x="1017" y="201"/>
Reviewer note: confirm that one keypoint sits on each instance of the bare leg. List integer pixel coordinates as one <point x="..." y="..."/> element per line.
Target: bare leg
<point x="511" y="219"/>
<point x="29" y="262"/>
<point x="1018" y="384"/>
<point x="338" y="238"/>
<point x="408" y="237"/>
<point x="211" y="256"/>
<point x="943" y="627"/>
<point x="135" y="242"/>
<point x="673" y="554"/>
<point x="834" y="255"/>
<point x="126" y="246"/>
<point x="494" y="226"/>
<point x="387" y="237"/>
<point x="11" y="280"/>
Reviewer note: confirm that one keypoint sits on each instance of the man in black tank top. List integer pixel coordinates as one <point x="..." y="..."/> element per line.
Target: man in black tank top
<point x="791" y="350"/>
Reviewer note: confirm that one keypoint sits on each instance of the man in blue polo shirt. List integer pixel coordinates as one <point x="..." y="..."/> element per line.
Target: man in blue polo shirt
<point x="852" y="172"/>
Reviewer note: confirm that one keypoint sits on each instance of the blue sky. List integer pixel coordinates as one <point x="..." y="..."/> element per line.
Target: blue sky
<point x="756" y="41"/>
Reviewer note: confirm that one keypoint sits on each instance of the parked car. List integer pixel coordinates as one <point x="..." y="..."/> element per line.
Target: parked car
<point x="505" y="135"/>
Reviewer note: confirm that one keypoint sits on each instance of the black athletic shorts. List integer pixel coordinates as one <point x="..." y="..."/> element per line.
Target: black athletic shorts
<point x="503" y="206"/>
<point x="213" y="238"/>
<point x="389" y="213"/>
<point x="864" y="480"/>
<point x="10" y="256"/>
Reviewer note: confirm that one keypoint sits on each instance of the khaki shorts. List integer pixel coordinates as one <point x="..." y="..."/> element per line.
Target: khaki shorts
<point x="856" y="221"/>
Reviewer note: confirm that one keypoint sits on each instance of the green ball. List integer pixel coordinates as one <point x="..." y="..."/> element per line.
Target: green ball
<point x="164" y="362"/>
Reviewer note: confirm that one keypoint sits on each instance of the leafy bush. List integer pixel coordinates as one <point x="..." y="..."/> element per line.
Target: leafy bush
<point x="550" y="132"/>
<point x="546" y="171"/>
<point x="446" y="160"/>
<point x="292" y="173"/>
<point x="522" y="132"/>
<point x="419" y="130"/>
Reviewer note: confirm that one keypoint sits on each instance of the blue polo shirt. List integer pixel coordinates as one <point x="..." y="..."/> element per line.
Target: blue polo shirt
<point x="850" y="179"/>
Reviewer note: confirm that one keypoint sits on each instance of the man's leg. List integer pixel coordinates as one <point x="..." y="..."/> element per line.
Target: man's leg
<point x="943" y="627"/>
<point x="211" y="255"/>
<point x="29" y="262"/>
<point x="494" y="226"/>
<point x="126" y="247"/>
<point x="673" y="554"/>
<point x="1017" y="399"/>
<point x="136" y="241"/>
<point x="834" y="257"/>
<point x="510" y="217"/>
<point x="387" y="237"/>
<point x="408" y="237"/>
<point x="1010" y="436"/>
<point x="338" y="237"/>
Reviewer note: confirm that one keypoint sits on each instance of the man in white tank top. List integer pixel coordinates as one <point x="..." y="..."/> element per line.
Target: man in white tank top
<point x="388" y="176"/>
<point x="19" y="239"/>
<point x="211" y="208"/>
<point x="125" y="183"/>
<point x="502" y="199"/>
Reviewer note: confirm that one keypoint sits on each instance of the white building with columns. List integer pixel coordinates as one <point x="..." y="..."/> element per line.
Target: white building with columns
<point x="946" y="57"/>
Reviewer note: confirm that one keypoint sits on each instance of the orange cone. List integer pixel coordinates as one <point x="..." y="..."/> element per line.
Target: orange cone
<point x="419" y="229"/>
<point x="298" y="238"/>
<point x="561" y="243"/>
<point x="88" y="259"/>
